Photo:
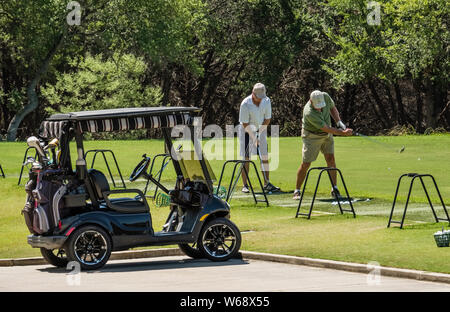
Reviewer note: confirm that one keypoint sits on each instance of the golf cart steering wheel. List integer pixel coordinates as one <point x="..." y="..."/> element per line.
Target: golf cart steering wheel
<point x="140" y="168"/>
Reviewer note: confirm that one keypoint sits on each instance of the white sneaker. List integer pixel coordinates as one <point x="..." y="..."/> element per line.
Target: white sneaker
<point x="245" y="189"/>
<point x="297" y="195"/>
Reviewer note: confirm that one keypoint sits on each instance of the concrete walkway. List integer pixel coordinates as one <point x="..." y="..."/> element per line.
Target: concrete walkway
<point x="179" y="273"/>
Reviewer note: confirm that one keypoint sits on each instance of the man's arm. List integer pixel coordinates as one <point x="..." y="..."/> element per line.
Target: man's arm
<point x="337" y="118"/>
<point x="346" y="132"/>
<point x="335" y="114"/>
<point x="249" y="129"/>
<point x="264" y="125"/>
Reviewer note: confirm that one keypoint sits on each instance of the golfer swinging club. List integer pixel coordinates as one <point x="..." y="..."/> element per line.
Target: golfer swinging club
<point x="317" y="135"/>
<point x="254" y="115"/>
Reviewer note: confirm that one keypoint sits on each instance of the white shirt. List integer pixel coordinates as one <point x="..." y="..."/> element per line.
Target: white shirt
<point x="255" y="115"/>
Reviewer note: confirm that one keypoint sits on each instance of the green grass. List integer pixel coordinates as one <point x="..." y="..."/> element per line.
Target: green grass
<point x="342" y="238"/>
<point x="370" y="170"/>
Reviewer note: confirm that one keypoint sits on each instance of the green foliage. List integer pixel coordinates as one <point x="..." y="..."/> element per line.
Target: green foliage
<point x="164" y="31"/>
<point x="209" y="53"/>
<point x="411" y="40"/>
<point x="100" y="84"/>
<point x="258" y="39"/>
<point x="418" y="38"/>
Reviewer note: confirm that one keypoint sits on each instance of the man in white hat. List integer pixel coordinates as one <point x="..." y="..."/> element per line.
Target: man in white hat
<point x="254" y="115"/>
<point x="317" y="136"/>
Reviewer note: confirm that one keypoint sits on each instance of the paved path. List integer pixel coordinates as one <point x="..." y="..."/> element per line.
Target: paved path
<point x="169" y="274"/>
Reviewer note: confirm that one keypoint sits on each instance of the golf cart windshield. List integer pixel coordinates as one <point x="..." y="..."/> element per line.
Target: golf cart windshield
<point x="192" y="168"/>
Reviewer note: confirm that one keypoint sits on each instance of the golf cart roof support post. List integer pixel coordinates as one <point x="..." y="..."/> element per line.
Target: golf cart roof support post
<point x="81" y="169"/>
<point x="199" y="153"/>
<point x="64" y="144"/>
<point x="168" y="139"/>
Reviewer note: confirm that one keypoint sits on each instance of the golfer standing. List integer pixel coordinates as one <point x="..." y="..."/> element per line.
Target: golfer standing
<point x="317" y="135"/>
<point x="254" y="116"/>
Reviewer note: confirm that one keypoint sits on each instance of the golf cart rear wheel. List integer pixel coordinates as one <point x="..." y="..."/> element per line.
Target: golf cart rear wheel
<point x="56" y="257"/>
<point x="191" y="250"/>
<point x="219" y="240"/>
<point x="90" y="246"/>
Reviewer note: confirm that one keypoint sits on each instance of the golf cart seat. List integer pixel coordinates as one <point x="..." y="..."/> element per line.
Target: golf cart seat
<point x="123" y="205"/>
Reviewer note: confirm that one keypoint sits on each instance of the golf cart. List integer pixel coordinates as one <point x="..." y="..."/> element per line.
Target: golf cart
<point x="73" y="215"/>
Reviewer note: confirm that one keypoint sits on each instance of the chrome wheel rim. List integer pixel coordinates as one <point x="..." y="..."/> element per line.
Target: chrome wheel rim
<point x="219" y="240"/>
<point x="90" y="248"/>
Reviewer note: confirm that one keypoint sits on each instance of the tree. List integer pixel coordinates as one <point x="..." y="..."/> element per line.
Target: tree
<point x="410" y="43"/>
<point x="30" y="49"/>
<point x="35" y="33"/>
<point x="100" y="84"/>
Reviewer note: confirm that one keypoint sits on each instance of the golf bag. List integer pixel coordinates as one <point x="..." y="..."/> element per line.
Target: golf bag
<point x="28" y="209"/>
<point x="42" y="208"/>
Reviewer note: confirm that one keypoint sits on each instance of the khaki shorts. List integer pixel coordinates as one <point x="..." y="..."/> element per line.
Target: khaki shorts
<point x="313" y="143"/>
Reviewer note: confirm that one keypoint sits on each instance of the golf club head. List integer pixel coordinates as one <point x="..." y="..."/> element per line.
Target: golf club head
<point x="53" y="144"/>
<point x="36" y="166"/>
<point x="30" y="160"/>
<point x="34" y="142"/>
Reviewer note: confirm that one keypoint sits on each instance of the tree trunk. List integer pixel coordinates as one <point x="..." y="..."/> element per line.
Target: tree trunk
<point x="166" y="85"/>
<point x="392" y="104"/>
<point x="429" y="104"/>
<point x="379" y="108"/>
<point x="419" y="107"/>
<point x="401" y="108"/>
<point x="33" y="100"/>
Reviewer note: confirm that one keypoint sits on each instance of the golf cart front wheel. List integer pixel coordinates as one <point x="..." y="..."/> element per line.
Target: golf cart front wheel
<point x="220" y="240"/>
<point x="90" y="246"/>
<point x="191" y="250"/>
<point x="56" y="257"/>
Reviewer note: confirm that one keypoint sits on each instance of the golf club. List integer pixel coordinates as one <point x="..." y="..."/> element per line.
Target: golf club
<point x="34" y="142"/>
<point x="52" y="146"/>
<point x="263" y="167"/>
<point x="239" y="173"/>
<point x="385" y="145"/>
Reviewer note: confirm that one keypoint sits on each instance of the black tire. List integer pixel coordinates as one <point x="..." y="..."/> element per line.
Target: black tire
<point x="215" y="237"/>
<point x="191" y="251"/>
<point x="90" y="246"/>
<point x="56" y="257"/>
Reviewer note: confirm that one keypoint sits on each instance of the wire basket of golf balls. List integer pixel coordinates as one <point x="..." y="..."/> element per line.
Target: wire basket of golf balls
<point x="162" y="200"/>
<point x="442" y="238"/>
<point x="222" y="192"/>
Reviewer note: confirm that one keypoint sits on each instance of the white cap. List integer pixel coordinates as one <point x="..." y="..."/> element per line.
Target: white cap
<point x="317" y="99"/>
<point x="259" y="90"/>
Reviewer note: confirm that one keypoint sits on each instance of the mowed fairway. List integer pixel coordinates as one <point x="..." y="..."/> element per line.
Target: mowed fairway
<point x="370" y="171"/>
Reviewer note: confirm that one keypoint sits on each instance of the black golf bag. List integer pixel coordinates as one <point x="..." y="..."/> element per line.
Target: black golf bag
<point x="44" y="202"/>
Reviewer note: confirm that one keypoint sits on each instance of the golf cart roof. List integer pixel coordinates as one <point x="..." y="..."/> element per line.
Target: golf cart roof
<point x="118" y="119"/>
<point x="122" y="113"/>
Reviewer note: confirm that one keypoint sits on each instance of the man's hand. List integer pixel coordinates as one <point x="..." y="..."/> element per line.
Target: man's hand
<point x="347" y="132"/>
<point x="336" y="131"/>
